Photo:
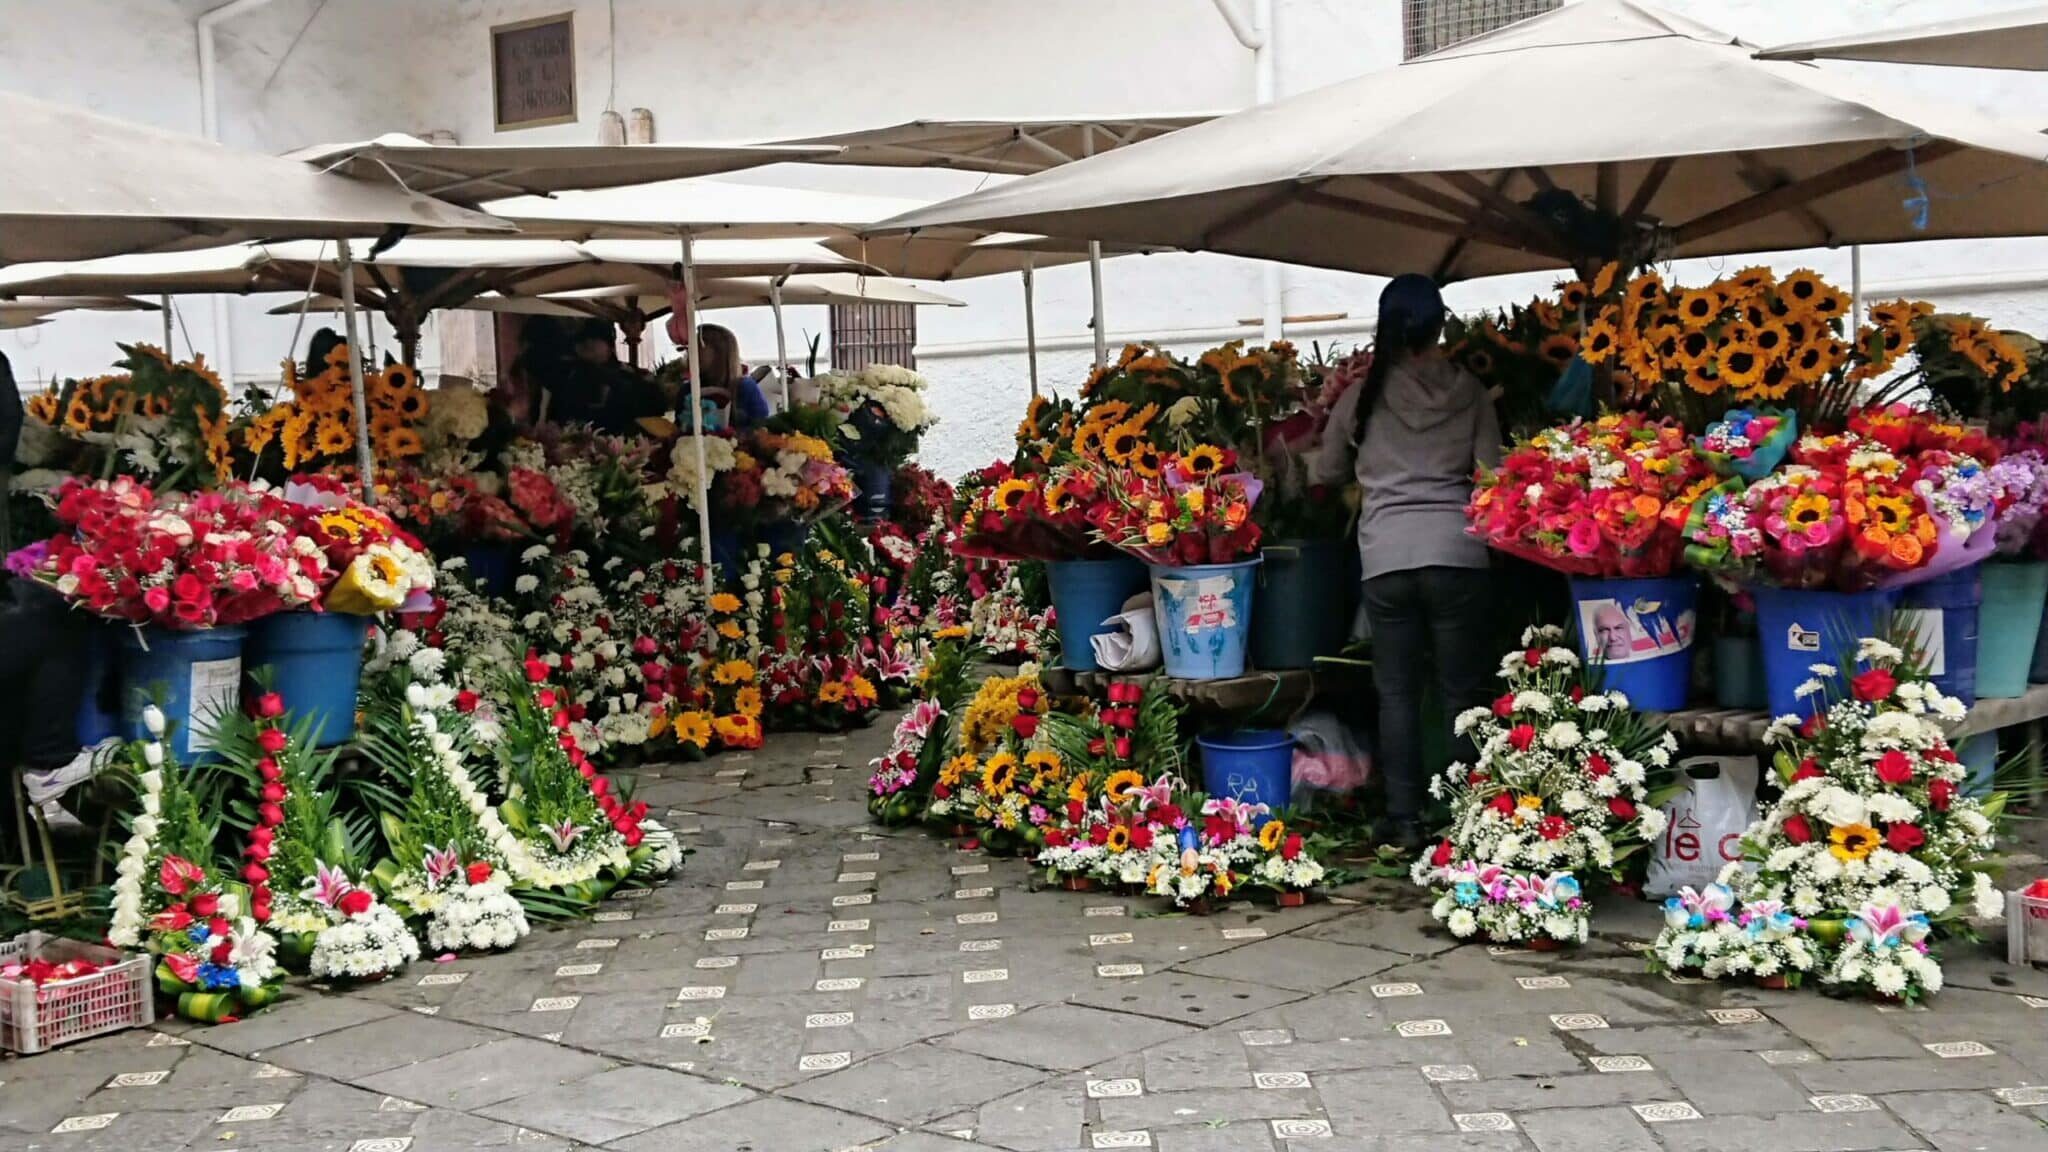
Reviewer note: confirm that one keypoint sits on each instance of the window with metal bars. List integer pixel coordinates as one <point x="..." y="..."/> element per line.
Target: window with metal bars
<point x="864" y="334"/>
<point x="1427" y="25"/>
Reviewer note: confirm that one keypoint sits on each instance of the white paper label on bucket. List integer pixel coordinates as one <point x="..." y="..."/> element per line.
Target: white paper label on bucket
<point x="1924" y="628"/>
<point x="1640" y="629"/>
<point x="1801" y="639"/>
<point x="215" y="690"/>
<point x="1204" y="604"/>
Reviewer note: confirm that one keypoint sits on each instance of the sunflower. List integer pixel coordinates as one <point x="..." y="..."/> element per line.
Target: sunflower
<point x="1119" y="839"/>
<point x="1738" y="364"/>
<point x="1027" y="429"/>
<point x="411" y="404"/>
<point x="1753" y="279"/>
<point x="1145" y="461"/>
<point x="1853" y="841"/>
<point x="738" y="731"/>
<point x="1013" y="496"/>
<point x="958" y="769"/>
<point x="1645" y="291"/>
<point x="729" y="672"/>
<point x="1802" y="288"/>
<point x="1479" y="362"/>
<point x="1892" y="513"/>
<point x="1808" y="510"/>
<point x="78" y="415"/>
<point x="1088" y="442"/>
<point x="42" y="407"/>
<point x="1603" y="281"/>
<point x="1058" y="501"/>
<point x="1571" y="294"/>
<point x="1600" y="342"/>
<point x="155" y="407"/>
<point x="1771" y="341"/>
<point x="1808" y="363"/>
<point x="332" y="437"/>
<point x="1078" y="787"/>
<point x="1828" y="305"/>
<point x="1042" y="760"/>
<point x="832" y="692"/>
<point x="1272" y="835"/>
<point x="1119" y="785"/>
<point x="1644" y="359"/>
<point x="1120" y="443"/>
<point x="1201" y="460"/>
<point x="999" y="775"/>
<point x="1700" y="378"/>
<point x="1697" y="307"/>
<point x="402" y="444"/>
<point x="1558" y="348"/>
<point x="1773" y="384"/>
<point x="693" y="728"/>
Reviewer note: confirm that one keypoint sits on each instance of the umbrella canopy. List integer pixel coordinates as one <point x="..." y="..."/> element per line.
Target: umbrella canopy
<point x="705" y="208"/>
<point x="33" y="310"/>
<point x="465" y="174"/>
<point x="87" y="185"/>
<point x="964" y="253"/>
<point x="742" y="292"/>
<point x="1464" y="163"/>
<point x="1016" y="147"/>
<point x="2017" y="39"/>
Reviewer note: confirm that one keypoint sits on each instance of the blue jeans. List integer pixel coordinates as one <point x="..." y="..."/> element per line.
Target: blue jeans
<point x="1424" y="613"/>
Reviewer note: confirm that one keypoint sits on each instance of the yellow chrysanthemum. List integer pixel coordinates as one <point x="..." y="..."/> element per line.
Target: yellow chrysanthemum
<point x="725" y="603"/>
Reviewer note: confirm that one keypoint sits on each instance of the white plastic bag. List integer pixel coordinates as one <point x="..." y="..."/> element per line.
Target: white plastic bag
<point x="1328" y="755"/>
<point x="1705" y="823"/>
<point x="1134" y="646"/>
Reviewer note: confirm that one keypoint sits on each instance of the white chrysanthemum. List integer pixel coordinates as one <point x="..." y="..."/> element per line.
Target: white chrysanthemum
<point x="1563" y="734"/>
<point x="1462" y="923"/>
<point x="1532" y="701"/>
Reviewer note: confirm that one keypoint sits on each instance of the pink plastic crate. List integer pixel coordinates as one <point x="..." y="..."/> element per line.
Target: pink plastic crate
<point x="36" y="1019"/>
<point x="2026" y="929"/>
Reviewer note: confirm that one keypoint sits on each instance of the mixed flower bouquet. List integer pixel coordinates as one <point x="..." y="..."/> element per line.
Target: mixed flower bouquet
<point x="1602" y="498"/>
<point x="1567" y="784"/>
<point x="1874" y="842"/>
<point x="183" y="561"/>
<point x="378" y="566"/>
<point x="1705" y="932"/>
<point x="1195" y="511"/>
<point x="162" y="420"/>
<point x="900" y="778"/>
<point x="882" y="410"/>
<point x="1748" y="442"/>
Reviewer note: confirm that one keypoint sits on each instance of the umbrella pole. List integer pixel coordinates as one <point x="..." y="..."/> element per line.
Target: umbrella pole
<point x="781" y="342"/>
<point x="1031" y="329"/>
<point x="365" y="463"/>
<point x="697" y="421"/>
<point x="1095" y="282"/>
<point x="165" y="302"/>
<point x="1855" y="290"/>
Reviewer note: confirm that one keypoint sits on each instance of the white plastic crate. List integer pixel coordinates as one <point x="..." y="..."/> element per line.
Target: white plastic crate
<point x="35" y="1019"/>
<point x="2026" y="929"/>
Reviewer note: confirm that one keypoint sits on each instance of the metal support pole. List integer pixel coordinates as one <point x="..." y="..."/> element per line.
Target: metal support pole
<point x="165" y="301"/>
<point x="781" y="342"/>
<point x="1095" y="282"/>
<point x="697" y="420"/>
<point x="1855" y="289"/>
<point x="1031" y="328"/>
<point x="366" y="464"/>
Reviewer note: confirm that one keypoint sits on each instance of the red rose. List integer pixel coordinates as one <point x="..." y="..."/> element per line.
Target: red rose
<point x="262" y="834"/>
<point x="600" y="785"/>
<point x="257" y="852"/>
<point x="560" y="719"/>
<point x="1904" y="837"/>
<point x="1597" y="765"/>
<point x="1074" y="810"/>
<point x="1521" y="736"/>
<point x="1027" y="698"/>
<point x="270" y="706"/>
<point x="1141" y="837"/>
<point x="1554" y="828"/>
<point x="545" y="698"/>
<point x="1807" y="770"/>
<point x="1895" y="767"/>
<point x="1798" y="830"/>
<point x="1123" y="747"/>
<point x="1872" y="686"/>
<point x="634" y="836"/>
<point x="268" y="769"/>
<point x="1504" y="706"/>
<point x="255" y="873"/>
<point x="1813" y="725"/>
<point x="204" y="904"/>
<point x="465" y="701"/>
<point x="270" y="815"/>
<point x="1290" y="848"/>
<point x="355" y="902"/>
<point x="1941" y="794"/>
<point x="1443" y="854"/>
<point x="223" y="953"/>
<point x="1025" y="724"/>
<point x="259" y="906"/>
<point x="1099" y="835"/>
<point x="273" y="793"/>
<point x="271" y="740"/>
<point x="535" y="670"/>
<point x="1098" y="747"/>
<point x="1503" y="804"/>
<point x="1622" y="807"/>
<point x="1055" y="838"/>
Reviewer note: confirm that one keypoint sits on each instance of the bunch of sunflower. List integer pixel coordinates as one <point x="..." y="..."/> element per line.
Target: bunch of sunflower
<point x="1519" y="351"/>
<point x="1747" y="338"/>
<point x="1972" y="366"/>
<point x="317" y="425"/>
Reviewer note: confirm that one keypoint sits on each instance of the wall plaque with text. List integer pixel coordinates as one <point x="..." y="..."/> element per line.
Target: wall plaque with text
<point x="533" y="72"/>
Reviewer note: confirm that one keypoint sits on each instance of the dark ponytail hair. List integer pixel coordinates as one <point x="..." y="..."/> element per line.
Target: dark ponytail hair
<point x="1411" y="319"/>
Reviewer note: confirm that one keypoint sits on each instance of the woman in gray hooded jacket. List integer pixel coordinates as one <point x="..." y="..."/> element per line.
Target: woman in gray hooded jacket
<point x="1412" y="433"/>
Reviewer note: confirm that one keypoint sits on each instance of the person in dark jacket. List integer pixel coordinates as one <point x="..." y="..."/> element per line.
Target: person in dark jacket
<point x="1418" y="425"/>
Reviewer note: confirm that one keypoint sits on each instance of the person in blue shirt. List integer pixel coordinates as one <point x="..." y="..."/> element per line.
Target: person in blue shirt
<point x="728" y="391"/>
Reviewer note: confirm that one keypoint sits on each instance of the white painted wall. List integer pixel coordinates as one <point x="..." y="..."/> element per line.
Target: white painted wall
<point x="299" y="71"/>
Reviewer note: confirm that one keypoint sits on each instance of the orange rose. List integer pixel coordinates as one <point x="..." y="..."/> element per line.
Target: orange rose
<point x="1906" y="551"/>
<point x="1646" y="506"/>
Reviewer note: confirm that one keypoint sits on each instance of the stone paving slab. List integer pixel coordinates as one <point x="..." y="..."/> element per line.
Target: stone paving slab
<point x="814" y="984"/>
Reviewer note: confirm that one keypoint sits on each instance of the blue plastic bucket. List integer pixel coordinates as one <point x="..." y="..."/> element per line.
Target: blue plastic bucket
<point x="2008" y="624"/>
<point x="1303" y="609"/>
<point x="1084" y="594"/>
<point x="1979" y="754"/>
<point x="316" y="661"/>
<point x="1204" y="613"/>
<point x="493" y="565"/>
<point x="1255" y="766"/>
<point x="1942" y="614"/>
<point x="1738" y="673"/>
<point x="1801" y="627"/>
<point x="196" y="677"/>
<point x="1640" y="634"/>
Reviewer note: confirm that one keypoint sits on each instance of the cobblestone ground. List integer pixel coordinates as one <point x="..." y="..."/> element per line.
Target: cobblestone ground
<point x="810" y="984"/>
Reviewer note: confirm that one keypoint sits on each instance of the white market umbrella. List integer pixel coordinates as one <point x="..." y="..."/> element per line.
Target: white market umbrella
<point x="1461" y="163"/>
<point x="469" y="174"/>
<point x="2015" y="39"/>
<point x="82" y="185"/>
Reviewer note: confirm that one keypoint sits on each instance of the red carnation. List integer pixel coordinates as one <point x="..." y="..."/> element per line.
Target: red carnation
<point x="1141" y="837"/>
<point x="1554" y="828"/>
<point x="1503" y="804"/>
<point x="1596" y="765"/>
<point x="1941" y="794"/>
<point x="465" y="701"/>
<point x="1504" y="705"/>
<point x="545" y="698"/>
<point x="271" y="815"/>
<point x="1533" y="657"/>
<point x="271" y="740"/>
<point x="1055" y="838"/>
<point x="600" y="785"/>
<point x="1099" y="835"/>
<point x="255" y="873"/>
<point x="355" y="902"/>
<point x="1441" y="858"/>
<point x="223" y="953"/>
<point x="634" y="836"/>
<point x="1798" y="830"/>
<point x="1895" y="767"/>
<point x="1872" y="686"/>
<point x="1807" y="770"/>
<point x="257" y="852"/>
<point x="1904" y="837"/>
<point x="1521" y="736"/>
<point x="1123" y="747"/>
<point x="1622" y="807"/>
<point x="1290" y="848"/>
